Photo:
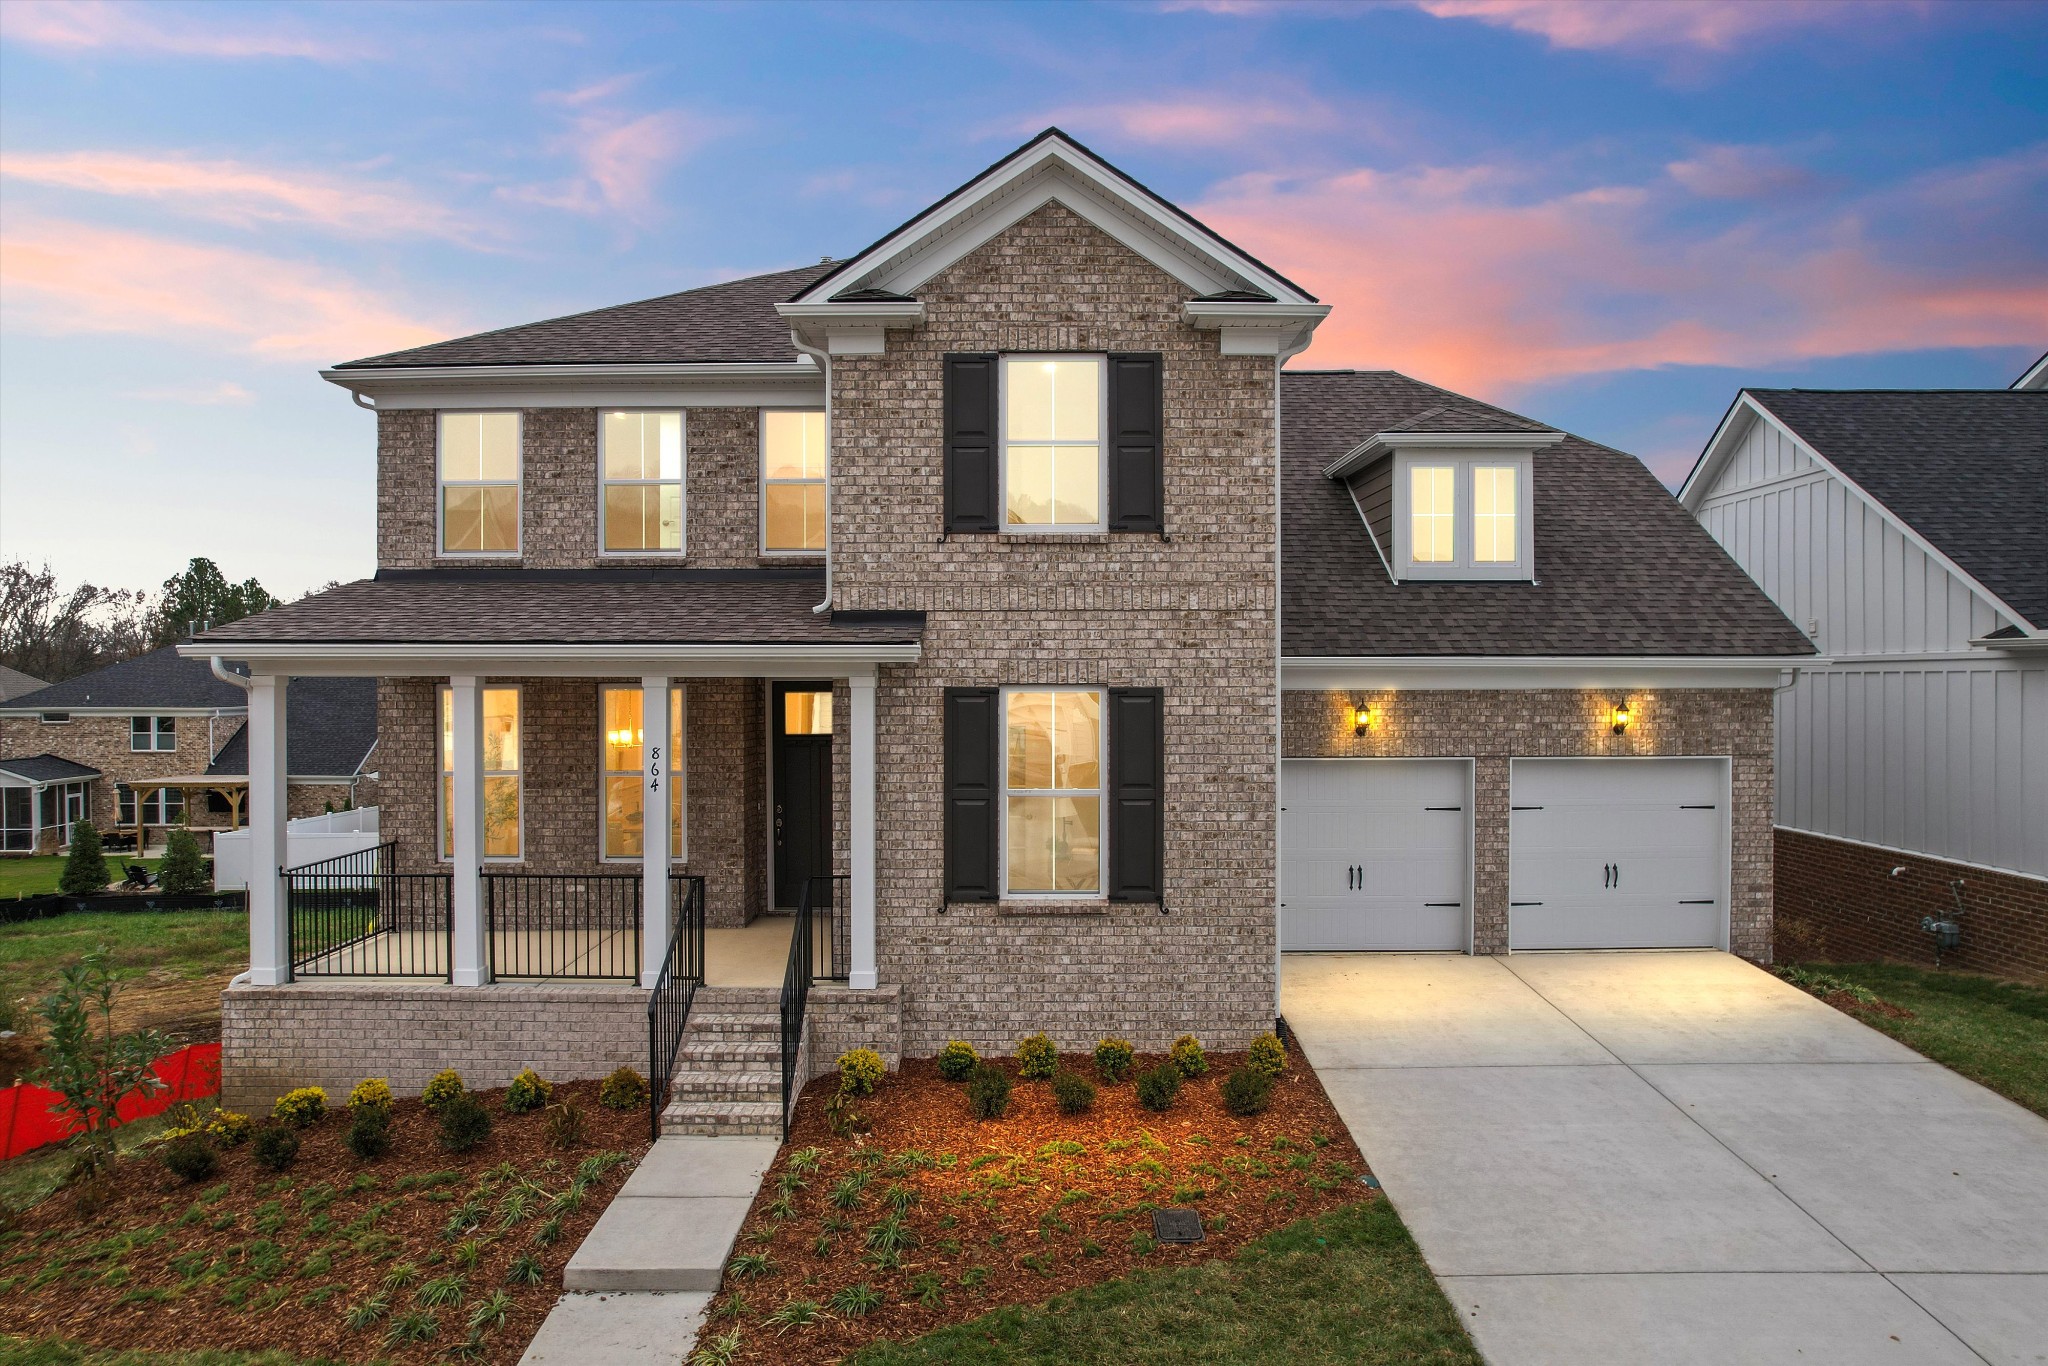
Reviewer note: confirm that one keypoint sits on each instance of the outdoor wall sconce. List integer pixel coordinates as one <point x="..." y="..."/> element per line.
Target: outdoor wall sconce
<point x="1620" y="716"/>
<point x="1361" y="719"/>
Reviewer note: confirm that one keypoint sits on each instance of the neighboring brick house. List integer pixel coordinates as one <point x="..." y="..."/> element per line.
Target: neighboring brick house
<point x="954" y="575"/>
<point x="161" y="736"/>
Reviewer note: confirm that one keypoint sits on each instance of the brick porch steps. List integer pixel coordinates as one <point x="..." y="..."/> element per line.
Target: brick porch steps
<point x="728" y="1077"/>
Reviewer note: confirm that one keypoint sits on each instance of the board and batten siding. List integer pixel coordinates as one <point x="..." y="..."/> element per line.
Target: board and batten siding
<point x="1940" y="756"/>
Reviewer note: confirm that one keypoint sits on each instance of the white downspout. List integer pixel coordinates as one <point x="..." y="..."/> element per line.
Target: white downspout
<point x="824" y="363"/>
<point x="227" y="675"/>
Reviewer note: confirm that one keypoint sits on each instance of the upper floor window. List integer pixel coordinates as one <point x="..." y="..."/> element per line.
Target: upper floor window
<point x="1052" y="792"/>
<point x="1463" y="518"/>
<point x="792" y="481"/>
<point x="479" y="474"/>
<point x="152" y="732"/>
<point x="642" y="458"/>
<point x="1052" y="422"/>
<point x="500" y="776"/>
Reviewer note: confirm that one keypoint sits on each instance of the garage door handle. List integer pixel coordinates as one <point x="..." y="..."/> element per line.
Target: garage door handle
<point x="1443" y="903"/>
<point x="1703" y="901"/>
<point x="1525" y="808"/>
<point x="1525" y="903"/>
<point x="1443" y="808"/>
<point x="1699" y="806"/>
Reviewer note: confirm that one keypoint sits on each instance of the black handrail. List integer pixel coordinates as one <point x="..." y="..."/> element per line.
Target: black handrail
<point x="563" y="926"/>
<point x="826" y="892"/>
<point x="668" y="1006"/>
<point x="353" y="916"/>
<point x="829" y="927"/>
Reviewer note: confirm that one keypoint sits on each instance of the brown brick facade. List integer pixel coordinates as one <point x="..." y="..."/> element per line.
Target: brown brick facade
<point x="1492" y="727"/>
<point x="1839" y="902"/>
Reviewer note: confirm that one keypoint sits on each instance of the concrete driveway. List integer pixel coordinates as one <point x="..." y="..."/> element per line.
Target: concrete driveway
<point x="1675" y="1158"/>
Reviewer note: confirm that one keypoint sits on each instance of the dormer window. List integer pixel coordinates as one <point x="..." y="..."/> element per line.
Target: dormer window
<point x="1462" y="518"/>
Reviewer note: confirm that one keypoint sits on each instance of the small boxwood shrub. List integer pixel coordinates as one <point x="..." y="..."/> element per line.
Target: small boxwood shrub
<point x="860" y="1071"/>
<point x="1188" y="1056"/>
<point x="300" y="1108"/>
<point x="624" y="1089"/>
<point x="371" y="1093"/>
<point x="446" y="1086"/>
<point x="230" y="1129"/>
<point x="190" y="1156"/>
<point x="1037" y="1058"/>
<point x="1268" y="1055"/>
<point x="1247" y="1090"/>
<point x="369" y="1131"/>
<point x="1158" y="1087"/>
<point x="464" y="1122"/>
<point x="275" y="1146"/>
<point x="957" y="1059"/>
<point x="988" y="1091"/>
<point x="1074" y="1092"/>
<point x="528" y="1091"/>
<point x="1113" y="1059"/>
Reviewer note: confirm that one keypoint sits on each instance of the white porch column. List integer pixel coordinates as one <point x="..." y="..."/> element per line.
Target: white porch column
<point x="470" y="952"/>
<point x="270" y="938"/>
<point x="861" y="820"/>
<point x="655" y="777"/>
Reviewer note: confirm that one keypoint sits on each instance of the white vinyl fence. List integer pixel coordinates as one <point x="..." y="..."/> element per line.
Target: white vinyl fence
<point x="307" y="840"/>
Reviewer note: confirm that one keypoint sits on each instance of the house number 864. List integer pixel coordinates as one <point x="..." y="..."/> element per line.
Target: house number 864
<point x="654" y="768"/>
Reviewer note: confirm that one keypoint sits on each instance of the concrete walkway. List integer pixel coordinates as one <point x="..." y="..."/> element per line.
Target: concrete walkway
<point x="1620" y="1158"/>
<point x="639" y="1284"/>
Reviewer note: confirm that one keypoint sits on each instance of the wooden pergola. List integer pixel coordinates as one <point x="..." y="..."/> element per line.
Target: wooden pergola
<point x="233" y="787"/>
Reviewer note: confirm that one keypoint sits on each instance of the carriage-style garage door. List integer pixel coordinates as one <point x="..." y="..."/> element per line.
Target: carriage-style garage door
<point x="1617" y="853"/>
<point x="1373" y="853"/>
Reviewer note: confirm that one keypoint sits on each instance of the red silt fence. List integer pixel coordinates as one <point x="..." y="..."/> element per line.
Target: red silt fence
<point x="31" y="1116"/>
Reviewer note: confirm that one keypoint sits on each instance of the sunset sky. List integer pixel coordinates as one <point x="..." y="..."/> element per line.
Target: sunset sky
<point x="1607" y="215"/>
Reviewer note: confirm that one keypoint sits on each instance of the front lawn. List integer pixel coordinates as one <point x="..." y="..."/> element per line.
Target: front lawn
<point x="37" y="874"/>
<point x="1992" y="1031"/>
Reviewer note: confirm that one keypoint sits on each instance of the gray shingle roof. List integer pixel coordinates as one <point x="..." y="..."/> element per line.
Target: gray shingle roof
<point x="1966" y="468"/>
<point x="729" y="322"/>
<point x="1621" y="568"/>
<point x="570" y="607"/>
<point x="1462" y="417"/>
<point x="160" y="679"/>
<point x="13" y="683"/>
<point x="46" y="768"/>
<point x="330" y="726"/>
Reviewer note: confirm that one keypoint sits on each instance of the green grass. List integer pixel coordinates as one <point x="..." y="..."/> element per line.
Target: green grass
<point x="1991" y="1031"/>
<point x="45" y="1352"/>
<point x="194" y="945"/>
<point x="1347" y="1287"/>
<point x="37" y="875"/>
<point x="34" y="1176"/>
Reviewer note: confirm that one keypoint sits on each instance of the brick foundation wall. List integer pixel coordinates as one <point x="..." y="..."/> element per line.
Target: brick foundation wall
<point x="1492" y="727"/>
<point x="334" y="1035"/>
<point x="839" y="1018"/>
<point x="1838" y="902"/>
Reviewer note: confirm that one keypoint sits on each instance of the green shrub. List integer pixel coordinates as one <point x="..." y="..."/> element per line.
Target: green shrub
<point x="957" y="1059"/>
<point x="1268" y="1054"/>
<point x="1113" y="1059"/>
<point x="275" y="1146"/>
<point x="1074" y="1092"/>
<point x="89" y="1063"/>
<point x="190" y="1157"/>
<point x="446" y="1086"/>
<point x="464" y="1122"/>
<point x="528" y="1091"/>
<point x="1188" y="1056"/>
<point x="227" y="1127"/>
<point x="988" y="1091"/>
<point x="372" y="1093"/>
<point x="860" y="1071"/>
<point x="1037" y="1058"/>
<point x="1158" y="1087"/>
<point x="565" y="1125"/>
<point x="624" y="1089"/>
<point x="369" y="1131"/>
<point x="183" y="871"/>
<point x="1247" y="1091"/>
<point x="85" y="868"/>
<point x="301" y="1108"/>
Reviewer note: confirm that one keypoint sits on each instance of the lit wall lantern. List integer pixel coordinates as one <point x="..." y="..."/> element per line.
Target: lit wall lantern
<point x="1361" y="719"/>
<point x="1620" y="717"/>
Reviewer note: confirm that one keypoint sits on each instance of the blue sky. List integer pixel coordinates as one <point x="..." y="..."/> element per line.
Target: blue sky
<point x="1607" y="215"/>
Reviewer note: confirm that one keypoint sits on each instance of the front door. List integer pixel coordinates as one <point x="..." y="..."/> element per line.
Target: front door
<point x="800" y="717"/>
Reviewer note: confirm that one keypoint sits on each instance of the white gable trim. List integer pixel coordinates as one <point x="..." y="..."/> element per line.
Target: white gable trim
<point x="2036" y="376"/>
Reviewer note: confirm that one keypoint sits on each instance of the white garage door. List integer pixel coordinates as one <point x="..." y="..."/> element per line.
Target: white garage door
<point x="1373" y="853"/>
<point x="1617" y="853"/>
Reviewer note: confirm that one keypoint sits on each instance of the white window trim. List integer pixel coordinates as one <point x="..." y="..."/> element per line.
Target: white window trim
<point x="682" y="483"/>
<point x="441" y="695"/>
<point x="761" y="477"/>
<point x="1462" y="464"/>
<point x="125" y="797"/>
<point x="678" y="771"/>
<point x="441" y="487"/>
<point x="1100" y="526"/>
<point x="1101" y="790"/>
<point x="155" y="735"/>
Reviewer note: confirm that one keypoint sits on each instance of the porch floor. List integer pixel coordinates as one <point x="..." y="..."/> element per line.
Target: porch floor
<point x="751" y="957"/>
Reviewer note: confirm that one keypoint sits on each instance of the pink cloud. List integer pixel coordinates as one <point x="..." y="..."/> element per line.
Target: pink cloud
<point x="242" y="195"/>
<point x="623" y="161"/>
<point x="100" y="25"/>
<point x="1716" y="25"/>
<point x="226" y="394"/>
<point x="69" y="277"/>
<point x="1193" y="121"/>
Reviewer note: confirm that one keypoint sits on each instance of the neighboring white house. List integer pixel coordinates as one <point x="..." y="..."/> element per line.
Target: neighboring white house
<point x="1906" y="531"/>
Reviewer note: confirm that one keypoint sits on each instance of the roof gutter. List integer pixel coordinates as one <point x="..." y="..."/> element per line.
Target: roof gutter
<point x="227" y="675"/>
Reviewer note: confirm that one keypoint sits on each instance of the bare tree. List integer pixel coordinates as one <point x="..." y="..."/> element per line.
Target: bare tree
<point x="52" y="634"/>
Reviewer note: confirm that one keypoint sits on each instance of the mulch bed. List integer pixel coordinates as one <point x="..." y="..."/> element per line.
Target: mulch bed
<point x="251" y="1258"/>
<point x="1018" y="1209"/>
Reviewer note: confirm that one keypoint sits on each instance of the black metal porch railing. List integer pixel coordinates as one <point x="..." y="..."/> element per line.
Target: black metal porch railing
<point x="817" y="939"/>
<point x="831" y="945"/>
<point x="668" y="1006"/>
<point x="355" y="916"/>
<point x="563" y="926"/>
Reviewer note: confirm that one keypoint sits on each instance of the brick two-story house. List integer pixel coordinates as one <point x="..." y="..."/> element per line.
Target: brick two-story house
<point x="942" y="594"/>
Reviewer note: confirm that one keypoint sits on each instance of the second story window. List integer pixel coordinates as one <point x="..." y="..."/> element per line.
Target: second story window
<point x="479" y="474"/>
<point x="792" y="482"/>
<point x="641" y="455"/>
<point x="1052" y="423"/>
<point x="1463" y="517"/>
<point x="152" y="732"/>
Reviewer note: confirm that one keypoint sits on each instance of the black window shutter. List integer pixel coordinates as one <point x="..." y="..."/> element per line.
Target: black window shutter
<point x="970" y="404"/>
<point x="1137" y="408"/>
<point x="1137" y="783"/>
<point x="973" y="782"/>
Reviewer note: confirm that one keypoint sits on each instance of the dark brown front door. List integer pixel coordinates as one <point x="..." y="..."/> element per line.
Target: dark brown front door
<point x="800" y="718"/>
